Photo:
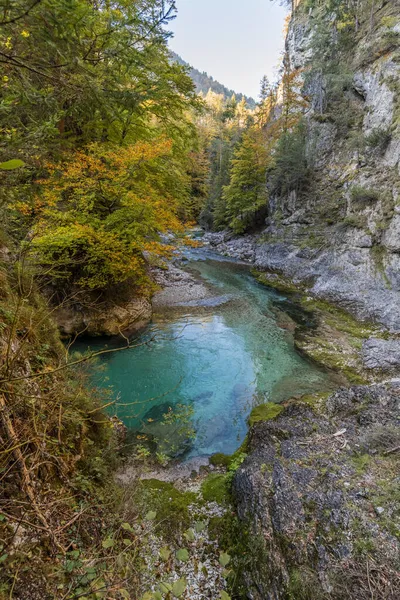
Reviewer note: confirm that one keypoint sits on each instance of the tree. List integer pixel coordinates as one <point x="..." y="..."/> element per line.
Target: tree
<point x="219" y="130"/>
<point x="96" y="214"/>
<point x="265" y="89"/>
<point x="290" y="164"/>
<point x="246" y="193"/>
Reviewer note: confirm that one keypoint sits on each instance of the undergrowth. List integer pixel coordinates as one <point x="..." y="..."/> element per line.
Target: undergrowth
<point x="61" y="527"/>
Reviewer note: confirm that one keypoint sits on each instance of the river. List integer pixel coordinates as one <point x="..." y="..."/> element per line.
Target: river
<point x="191" y="387"/>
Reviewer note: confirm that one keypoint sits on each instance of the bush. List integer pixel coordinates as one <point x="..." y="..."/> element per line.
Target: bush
<point x="379" y="138"/>
<point x="390" y="39"/>
<point x="363" y="195"/>
<point x="354" y="221"/>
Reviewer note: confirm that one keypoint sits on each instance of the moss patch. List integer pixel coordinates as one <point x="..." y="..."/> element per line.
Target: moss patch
<point x="340" y="319"/>
<point x="220" y="460"/>
<point x="265" y="412"/>
<point x="314" y="400"/>
<point x="276" y="281"/>
<point x="215" y="488"/>
<point x="171" y="505"/>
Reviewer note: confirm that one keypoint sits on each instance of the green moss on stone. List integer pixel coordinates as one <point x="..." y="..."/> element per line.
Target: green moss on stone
<point x="276" y="281"/>
<point x="265" y="412"/>
<point x="361" y="462"/>
<point x="220" y="460"/>
<point x="314" y="400"/>
<point x="340" y="319"/>
<point x="171" y="505"/>
<point x="215" y="489"/>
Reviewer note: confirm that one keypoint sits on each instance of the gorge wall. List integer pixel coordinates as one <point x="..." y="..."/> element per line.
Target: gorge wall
<point x="340" y="234"/>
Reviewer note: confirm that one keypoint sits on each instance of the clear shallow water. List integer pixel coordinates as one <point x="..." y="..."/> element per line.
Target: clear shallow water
<point x="211" y="363"/>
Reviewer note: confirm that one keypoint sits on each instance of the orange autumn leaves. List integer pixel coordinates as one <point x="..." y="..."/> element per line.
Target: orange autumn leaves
<point x="96" y="213"/>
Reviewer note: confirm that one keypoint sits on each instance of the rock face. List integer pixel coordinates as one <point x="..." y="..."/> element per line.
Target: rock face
<point x="381" y="354"/>
<point x="242" y="248"/>
<point x="347" y="275"/>
<point x="317" y="492"/>
<point x="103" y="318"/>
<point x="340" y="236"/>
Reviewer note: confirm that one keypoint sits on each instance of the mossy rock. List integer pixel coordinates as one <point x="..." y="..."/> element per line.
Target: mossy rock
<point x="220" y="460"/>
<point x="265" y="412"/>
<point x="230" y="460"/>
<point x="340" y="319"/>
<point x="170" y="505"/>
<point x="214" y="488"/>
<point x="277" y="282"/>
<point x="314" y="400"/>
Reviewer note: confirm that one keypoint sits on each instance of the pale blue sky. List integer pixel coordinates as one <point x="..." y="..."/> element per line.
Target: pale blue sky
<point x="234" y="41"/>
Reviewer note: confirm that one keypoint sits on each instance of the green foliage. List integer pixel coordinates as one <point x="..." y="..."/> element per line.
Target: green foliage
<point x="362" y="195"/>
<point x="224" y="559"/>
<point x="379" y="139"/>
<point x="170" y="505"/>
<point x="246" y="193"/>
<point x="265" y="412"/>
<point x="68" y="72"/>
<point x="12" y="164"/>
<point x="290" y="171"/>
<point x="182" y="554"/>
<point x="304" y="584"/>
<point x="356" y="221"/>
<point x="219" y="133"/>
<point x="84" y="85"/>
<point x="220" y="460"/>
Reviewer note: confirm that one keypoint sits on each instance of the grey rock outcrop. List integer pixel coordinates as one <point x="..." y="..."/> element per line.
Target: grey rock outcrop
<point x="240" y="247"/>
<point x="347" y="275"/>
<point x="308" y="503"/>
<point x="391" y="237"/>
<point x="381" y="354"/>
<point x="379" y="98"/>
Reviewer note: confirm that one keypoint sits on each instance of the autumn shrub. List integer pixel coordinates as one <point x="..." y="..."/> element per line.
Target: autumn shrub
<point x="97" y="213"/>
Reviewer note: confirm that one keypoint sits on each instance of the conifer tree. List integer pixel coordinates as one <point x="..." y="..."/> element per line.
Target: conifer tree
<point x="246" y="193"/>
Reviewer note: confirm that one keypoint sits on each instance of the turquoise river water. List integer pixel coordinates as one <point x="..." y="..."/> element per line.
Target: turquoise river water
<point x="192" y="387"/>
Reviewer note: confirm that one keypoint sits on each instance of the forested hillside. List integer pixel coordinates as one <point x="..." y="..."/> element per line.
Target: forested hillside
<point x="204" y="82"/>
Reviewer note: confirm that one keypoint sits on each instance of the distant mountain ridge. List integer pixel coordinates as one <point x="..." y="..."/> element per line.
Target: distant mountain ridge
<point x="204" y="82"/>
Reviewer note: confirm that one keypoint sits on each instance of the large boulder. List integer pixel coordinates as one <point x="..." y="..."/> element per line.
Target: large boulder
<point x="316" y="495"/>
<point x="103" y="318"/>
<point x="378" y="353"/>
